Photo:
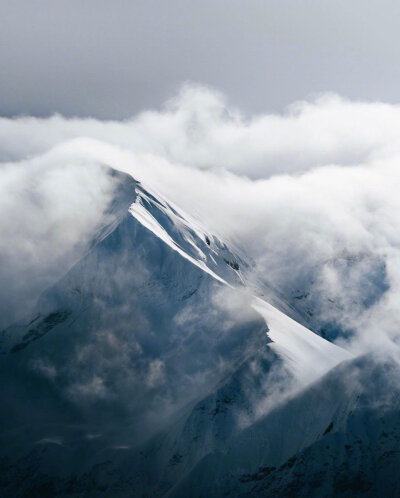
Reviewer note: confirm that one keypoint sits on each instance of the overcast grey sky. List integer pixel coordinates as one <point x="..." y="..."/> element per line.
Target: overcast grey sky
<point x="110" y="59"/>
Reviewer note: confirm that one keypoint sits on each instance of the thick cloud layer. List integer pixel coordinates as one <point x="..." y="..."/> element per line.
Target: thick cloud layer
<point x="310" y="195"/>
<point x="199" y="129"/>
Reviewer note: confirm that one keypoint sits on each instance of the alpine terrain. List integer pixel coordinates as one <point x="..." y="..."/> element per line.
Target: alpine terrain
<point x="159" y="366"/>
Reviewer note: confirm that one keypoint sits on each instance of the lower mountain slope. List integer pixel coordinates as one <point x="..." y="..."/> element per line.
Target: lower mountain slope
<point x="339" y="437"/>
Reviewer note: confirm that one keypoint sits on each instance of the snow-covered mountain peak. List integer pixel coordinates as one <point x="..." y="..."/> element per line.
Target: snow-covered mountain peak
<point x="187" y="236"/>
<point x="143" y="358"/>
<point x="307" y="354"/>
<point x="141" y="220"/>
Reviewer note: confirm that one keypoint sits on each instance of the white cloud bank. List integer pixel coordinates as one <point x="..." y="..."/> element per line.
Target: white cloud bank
<point x="310" y="194"/>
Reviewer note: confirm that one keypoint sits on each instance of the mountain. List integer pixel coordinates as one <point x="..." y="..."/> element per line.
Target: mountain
<point x="156" y="367"/>
<point x="338" y="437"/>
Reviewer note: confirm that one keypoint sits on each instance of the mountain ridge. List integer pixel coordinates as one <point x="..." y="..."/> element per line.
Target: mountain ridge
<point x="152" y="326"/>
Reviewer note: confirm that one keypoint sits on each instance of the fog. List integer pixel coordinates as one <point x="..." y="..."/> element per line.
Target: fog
<point x="308" y="195"/>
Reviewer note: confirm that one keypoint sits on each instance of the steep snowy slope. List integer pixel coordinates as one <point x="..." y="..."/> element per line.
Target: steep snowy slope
<point x="309" y="355"/>
<point x="186" y="236"/>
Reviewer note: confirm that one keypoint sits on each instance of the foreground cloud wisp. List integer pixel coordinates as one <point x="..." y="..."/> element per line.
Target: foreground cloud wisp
<point x="50" y="210"/>
<point x="310" y="195"/>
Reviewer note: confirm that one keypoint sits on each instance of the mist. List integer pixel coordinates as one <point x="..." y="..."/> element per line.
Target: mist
<point x="310" y="195"/>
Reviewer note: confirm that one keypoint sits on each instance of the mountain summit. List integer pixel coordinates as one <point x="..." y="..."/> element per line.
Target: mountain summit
<point x="155" y="359"/>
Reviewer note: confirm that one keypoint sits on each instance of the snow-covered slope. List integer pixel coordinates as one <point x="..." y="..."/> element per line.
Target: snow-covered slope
<point x="186" y="236"/>
<point x="309" y="355"/>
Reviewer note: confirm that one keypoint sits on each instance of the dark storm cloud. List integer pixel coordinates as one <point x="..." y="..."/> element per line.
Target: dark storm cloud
<point x="111" y="59"/>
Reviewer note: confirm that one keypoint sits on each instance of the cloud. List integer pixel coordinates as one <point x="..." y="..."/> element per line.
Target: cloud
<point x="200" y="129"/>
<point x="309" y="195"/>
<point x="50" y="210"/>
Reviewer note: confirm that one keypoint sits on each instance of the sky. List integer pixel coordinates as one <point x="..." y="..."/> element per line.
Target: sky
<point x="111" y="60"/>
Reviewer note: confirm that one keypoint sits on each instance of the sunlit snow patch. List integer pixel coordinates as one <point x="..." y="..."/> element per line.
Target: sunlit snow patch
<point x="307" y="354"/>
<point x="144" y="217"/>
